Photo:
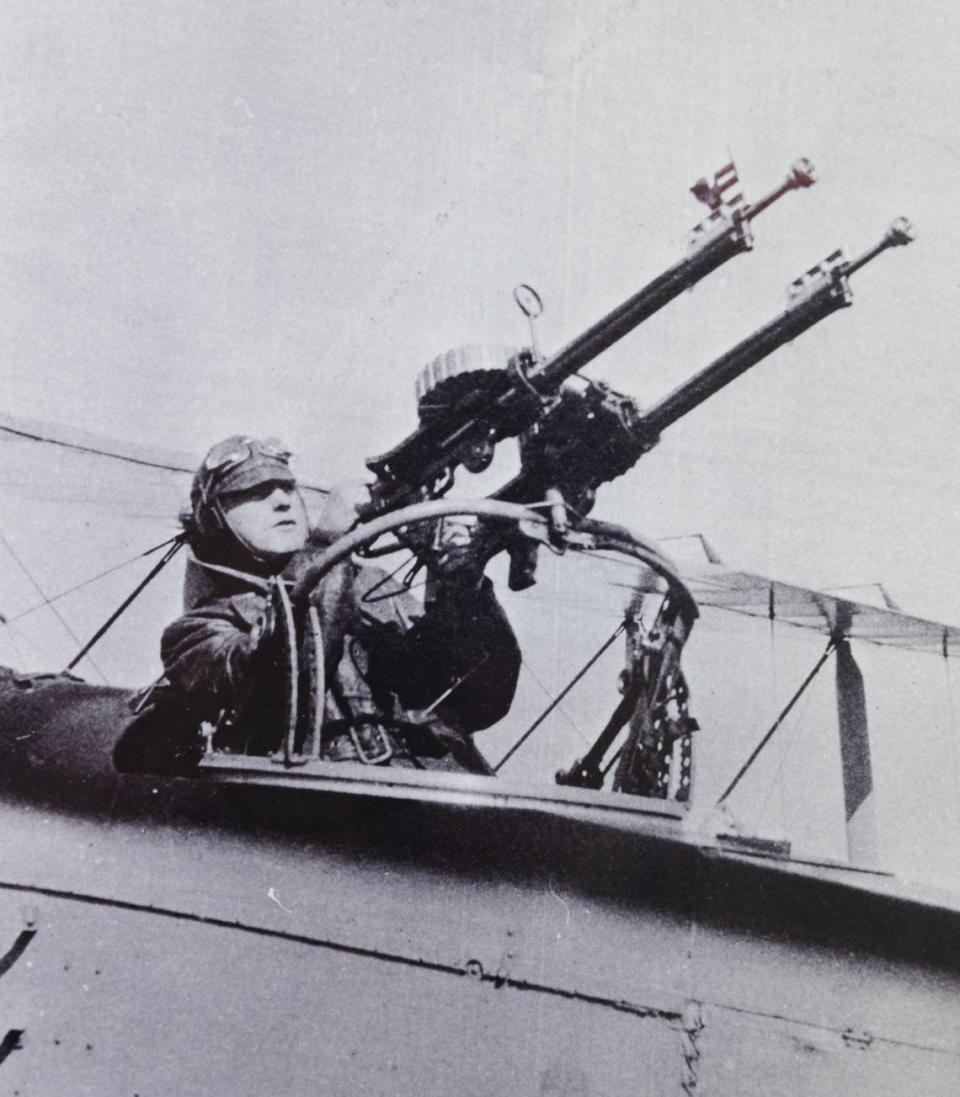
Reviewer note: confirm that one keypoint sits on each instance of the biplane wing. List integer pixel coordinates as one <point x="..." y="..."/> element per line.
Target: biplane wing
<point x="482" y="908"/>
<point x="757" y="595"/>
<point x="82" y="514"/>
<point x="864" y="612"/>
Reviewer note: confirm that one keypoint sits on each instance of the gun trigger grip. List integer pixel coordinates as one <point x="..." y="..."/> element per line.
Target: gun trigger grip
<point x="523" y="563"/>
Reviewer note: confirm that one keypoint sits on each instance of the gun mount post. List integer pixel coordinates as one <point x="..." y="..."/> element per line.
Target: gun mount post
<point x="655" y="757"/>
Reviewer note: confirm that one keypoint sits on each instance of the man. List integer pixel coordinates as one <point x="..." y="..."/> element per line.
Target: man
<point x="406" y="684"/>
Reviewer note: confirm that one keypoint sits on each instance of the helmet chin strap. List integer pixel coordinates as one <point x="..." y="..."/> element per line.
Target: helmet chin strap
<point x="232" y="540"/>
<point x="274" y="565"/>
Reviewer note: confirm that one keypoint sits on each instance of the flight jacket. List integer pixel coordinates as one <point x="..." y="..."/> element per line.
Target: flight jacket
<point x="450" y="665"/>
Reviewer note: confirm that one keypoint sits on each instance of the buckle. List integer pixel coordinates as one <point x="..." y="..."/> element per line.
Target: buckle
<point x="371" y="742"/>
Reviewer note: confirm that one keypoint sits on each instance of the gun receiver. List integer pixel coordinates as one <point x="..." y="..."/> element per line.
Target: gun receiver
<point x="464" y="430"/>
<point x="592" y="436"/>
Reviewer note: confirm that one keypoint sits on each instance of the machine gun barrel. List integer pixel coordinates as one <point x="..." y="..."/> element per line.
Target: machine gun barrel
<point x="732" y="238"/>
<point x="424" y="462"/>
<point x="815" y="295"/>
<point x="591" y="438"/>
<point x="710" y="380"/>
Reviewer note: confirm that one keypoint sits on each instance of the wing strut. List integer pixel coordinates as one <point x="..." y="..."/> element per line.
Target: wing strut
<point x="855" y="760"/>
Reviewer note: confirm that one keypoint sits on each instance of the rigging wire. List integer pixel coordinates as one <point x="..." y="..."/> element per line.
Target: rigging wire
<point x="774" y="694"/>
<point x="87" y="582"/>
<point x="600" y="554"/>
<point x="563" y="712"/>
<point x="59" y="616"/>
<point x="560" y="696"/>
<point x="777" y="782"/>
<point x="21" y="431"/>
<point x="178" y="542"/>
<point x="828" y="651"/>
<point x="38" y="433"/>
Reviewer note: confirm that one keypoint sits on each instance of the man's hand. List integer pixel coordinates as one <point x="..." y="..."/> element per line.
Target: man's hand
<point x="457" y="560"/>
<point x="340" y="512"/>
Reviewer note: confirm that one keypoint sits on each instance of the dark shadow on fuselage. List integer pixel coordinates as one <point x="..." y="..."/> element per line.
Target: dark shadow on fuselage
<point x="57" y="736"/>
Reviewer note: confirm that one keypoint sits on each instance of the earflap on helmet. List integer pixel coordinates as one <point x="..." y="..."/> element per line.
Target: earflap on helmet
<point x="203" y="522"/>
<point x="188" y="523"/>
<point x="213" y="538"/>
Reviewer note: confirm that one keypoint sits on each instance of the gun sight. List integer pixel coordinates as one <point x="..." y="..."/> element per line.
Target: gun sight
<point x="802" y="174"/>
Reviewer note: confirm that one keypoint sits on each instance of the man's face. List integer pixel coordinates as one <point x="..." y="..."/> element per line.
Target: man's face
<point x="269" y="517"/>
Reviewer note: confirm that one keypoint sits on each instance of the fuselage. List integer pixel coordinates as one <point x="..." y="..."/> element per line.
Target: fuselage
<point x="347" y="931"/>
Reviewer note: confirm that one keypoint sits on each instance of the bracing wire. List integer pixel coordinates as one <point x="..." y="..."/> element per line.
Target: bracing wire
<point x="560" y="696"/>
<point x="777" y="782"/>
<point x="87" y="582"/>
<point x="755" y="753"/>
<point x="34" y="435"/>
<point x="59" y="616"/>
<point x="533" y="674"/>
<point x="177" y="543"/>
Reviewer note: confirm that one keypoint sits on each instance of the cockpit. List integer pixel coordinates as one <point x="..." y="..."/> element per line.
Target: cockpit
<point x="604" y="628"/>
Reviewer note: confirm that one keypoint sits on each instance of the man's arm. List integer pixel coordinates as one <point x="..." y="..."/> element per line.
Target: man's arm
<point x="207" y="653"/>
<point x="462" y="646"/>
<point x="468" y="631"/>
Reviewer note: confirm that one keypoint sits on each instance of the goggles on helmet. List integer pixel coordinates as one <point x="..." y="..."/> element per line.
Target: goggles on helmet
<point x="223" y="467"/>
<point x="234" y="451"/>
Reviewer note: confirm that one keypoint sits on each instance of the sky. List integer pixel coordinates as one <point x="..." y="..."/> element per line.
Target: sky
<point x="267" y="218"/>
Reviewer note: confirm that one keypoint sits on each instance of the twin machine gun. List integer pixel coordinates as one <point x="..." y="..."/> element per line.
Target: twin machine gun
<point x="575" y="436"/>
<point x="573" y="439"/>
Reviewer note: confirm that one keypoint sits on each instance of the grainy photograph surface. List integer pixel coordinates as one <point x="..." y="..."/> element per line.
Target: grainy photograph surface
<point x="478" y="530"/>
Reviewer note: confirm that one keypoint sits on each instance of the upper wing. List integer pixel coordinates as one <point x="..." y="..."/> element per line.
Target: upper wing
<point x="759" y="596"/>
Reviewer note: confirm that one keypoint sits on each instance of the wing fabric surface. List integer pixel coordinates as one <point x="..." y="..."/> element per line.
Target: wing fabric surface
<point x="829" y="614"/>
<point x="78" y="511"/>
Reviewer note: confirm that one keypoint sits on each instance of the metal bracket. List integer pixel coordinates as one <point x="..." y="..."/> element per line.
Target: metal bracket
<point x="720" y="223"/>
<point x="829" y="277"/>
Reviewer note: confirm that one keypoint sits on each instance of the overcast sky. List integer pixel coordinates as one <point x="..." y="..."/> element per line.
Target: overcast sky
<point x="267" y="217"/>
<point x="221" y="217"/>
